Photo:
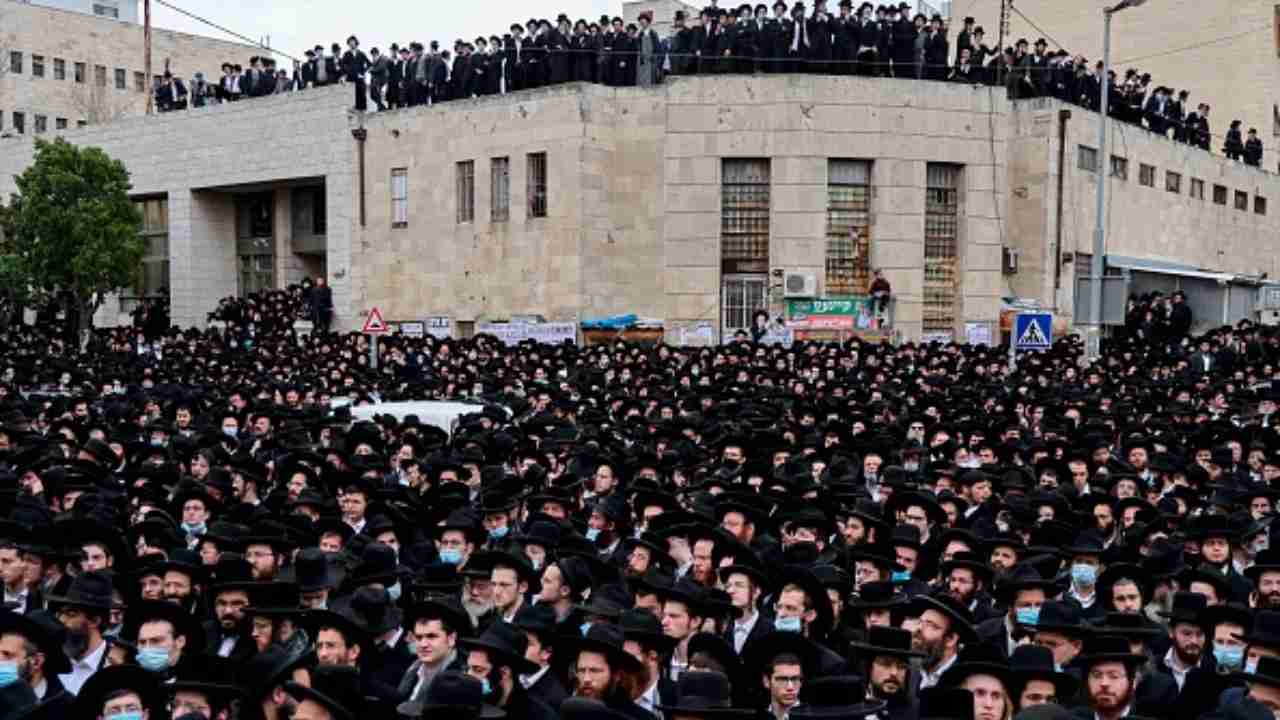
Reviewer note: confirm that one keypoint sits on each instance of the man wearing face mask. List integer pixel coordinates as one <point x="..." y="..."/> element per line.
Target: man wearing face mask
<point x="608" y="523"/>
<point x="31" y="654"/>
<point x="802" y="606"/>
<point x="162" y="632"/>
<point x="497" y="660"/>
<point x="1086" y="562"/>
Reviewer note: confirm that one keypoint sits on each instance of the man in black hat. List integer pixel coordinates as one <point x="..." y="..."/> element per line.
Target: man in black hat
<point x="261" y="681"/>
<point x="84" y="612"/>
<point x="539" y="624"/>
<point x="888" y="656"/>
<point x="511" y="577"/>
<point x="605" y="670"/>
<point x="334" y="694"/>
<point x="33" y="643"/>
<point x="1110" y="678"/>
<point x="1217" y="542"/>
<point x="1186" y="618"/>
<point x="1038" y="679"/>
<point x="1023" y="591"/>
<point x="436" y="626"/>
<point x="941" y="626"/>
<point x="120" y="691"/>
<point x="497" y="660"/>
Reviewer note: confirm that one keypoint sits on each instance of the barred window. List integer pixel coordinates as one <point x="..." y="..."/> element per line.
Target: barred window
<point x="500" y="189"/>
<point x="941" y="230"/>
<point x="122" y="79"/>
<point x="1119" y="167"/>
<point x="537" y="185"/>
<point x="1146" y="175"/>
<point x="1197" y="188"/>
<point x="399" y="197"/>
<point x="37" y="66"/>
<point x="848" y="226"/>
<point x="1220" y="194"/>
<point x="15" y="62"/>
<point x="1088" y="158"/>
<point x="153" y="275"/>
<point x="744" y="215"/>
<point x="100" y="75"/>
<point x="1172" y="181"/>
<point x="1242" y="200"/>
<point x="139" y="82"/>
<point x="466" y="191"/>
<point x="80" y="71"/>
<point x="42" y="124"/>
<point x="59" y="69"/>
<point x="60" y="124"/>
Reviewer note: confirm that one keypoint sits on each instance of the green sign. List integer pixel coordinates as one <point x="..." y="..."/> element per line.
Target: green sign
<point x="844" y="306"/>
<point x="834" y="314"/>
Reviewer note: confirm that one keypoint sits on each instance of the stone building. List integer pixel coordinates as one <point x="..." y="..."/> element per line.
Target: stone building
<point x="696" y="202"/>
<point x="1224" y="52"/>
<point x="124" y="10"/>
<point x="62" y="68"/>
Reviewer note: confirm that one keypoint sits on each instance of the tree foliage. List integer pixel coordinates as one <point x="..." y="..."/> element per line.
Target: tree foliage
<point x="71" y="234"/>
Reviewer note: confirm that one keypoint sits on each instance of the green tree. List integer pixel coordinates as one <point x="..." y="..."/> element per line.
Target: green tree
<point x="71" y="234"/>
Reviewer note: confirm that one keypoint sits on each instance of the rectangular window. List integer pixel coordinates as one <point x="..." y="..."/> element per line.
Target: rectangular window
<point x="80" y="72"/>
<point x="153" y="276"/>
<point x="1173" y="181"/>
<point x="744" y="215"/>
<point x="1146" y="175"/>
<point x="1197" y="188"/>
<point x="100" y="75"/>
<point x="140" y="82"/>
<point x="537" y="185"/>
<point x="15" y="62"/>
<point x="499" y="189"/>
<point x="19" y="122"/>
<point x="82" y="123"/>
<point x="1088" y="158"/>
<point x="1119" y="167"/>
<point x="1219" y="194"/>
<point x="941" y="231"/>
<point x="466" y="191"/>
<point x="110" y="11"/>
<point x="60" y="124"/>
<point x="399" y="197"/>
<point x="122" y="79"/>
<point x="1259" y="205"/>
<point x="59" y="69"/>
<point x="42" y="124"/>
<point x="37" y="66"/>
<point x="1242" y="200"/>
<point x="848" y="227"/>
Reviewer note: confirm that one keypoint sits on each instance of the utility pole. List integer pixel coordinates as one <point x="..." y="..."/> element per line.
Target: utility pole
<point x="146" y="53"/>
<point x="1005" y="6"/>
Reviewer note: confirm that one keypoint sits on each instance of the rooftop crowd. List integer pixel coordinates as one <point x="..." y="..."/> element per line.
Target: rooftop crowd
<point x="636" y="532"/>
<point x="867" y="40"/>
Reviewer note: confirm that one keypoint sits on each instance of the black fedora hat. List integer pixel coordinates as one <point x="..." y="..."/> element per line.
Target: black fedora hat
<point x="269" y="668"/>
<point x="1208" y="575"/>
<point x="1130" y="626"/>
<point x="982" y="571"/>
<point x="1266" y="673"/>
<point x="890" y="641"/>
<point x="643" y="626"/>
<point x="505" y="644"/>
<point x="374" y="610"/>
<point x="274" y="599"/>
<point x="979" y="659"/>
<point x="961" y="618"/>
<point x="42" y="629"/>
<point x="759" y="652"/>
<point x="1107" y="648"/>
<point x="1186" y="607"/>
<point x="341" y="695"/>
<point x="1267" y="561"/>
<point x="878" y="596"/>
<point x="106" y="681"/>
<point x="704" y="695"/>
<point x="1060" y="617"/>
<point x="1023" y="576"/>
<point x="1035" y="662"/>
<point x="577" y="708"/>
<point x="606" y="639"/>
<point x="90" y="590"/>
<point x="945" y="703"/>
<point x="1265" y="630"/>
<point x="313" y="571"/>
<point x="451" y="695"/>
<point x="143" y="611"/>
<point x="835" y="698"/>
<point x="344" y="622"/>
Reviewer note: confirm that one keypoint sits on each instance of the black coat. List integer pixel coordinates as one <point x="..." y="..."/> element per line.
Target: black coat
<point x="523" y="706"/>
<point x="549" y="689"/>
<point x="354" y="65"/>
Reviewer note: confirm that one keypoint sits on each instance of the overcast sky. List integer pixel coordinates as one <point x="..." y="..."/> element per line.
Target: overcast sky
<point x="295" y="26"/>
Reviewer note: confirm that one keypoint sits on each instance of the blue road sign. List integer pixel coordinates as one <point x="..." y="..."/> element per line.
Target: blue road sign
<point x="1033" y="331"/>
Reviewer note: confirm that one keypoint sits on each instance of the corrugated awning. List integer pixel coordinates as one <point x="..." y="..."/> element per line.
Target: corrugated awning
<point x="1163" y="267"/>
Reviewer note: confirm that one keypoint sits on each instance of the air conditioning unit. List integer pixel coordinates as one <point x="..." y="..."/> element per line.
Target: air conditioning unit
<point x="797" y="284"/>
<point x="1269" y="317"/>
<point x="1009" y="258"/>
<point x="1269" y="298"/>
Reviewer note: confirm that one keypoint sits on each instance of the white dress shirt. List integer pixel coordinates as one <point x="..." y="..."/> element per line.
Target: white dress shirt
<point x="742" y="630"/>
<point x="82" y="669"/>
<point x="649" y="700"/>
<point x="1176" y="669"/>
<point x="929" y="679"/>
<point x="528" y="681"/>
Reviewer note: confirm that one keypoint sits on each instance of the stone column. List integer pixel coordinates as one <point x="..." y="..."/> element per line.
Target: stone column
<point x="202" y="253"/>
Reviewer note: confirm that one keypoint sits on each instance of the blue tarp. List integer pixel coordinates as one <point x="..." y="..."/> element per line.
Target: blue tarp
<point x="616" y="322"/>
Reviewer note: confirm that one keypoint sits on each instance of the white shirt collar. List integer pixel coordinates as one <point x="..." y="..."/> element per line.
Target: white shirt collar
<point x="929" y="678"/>
<point x="529" y="681"/>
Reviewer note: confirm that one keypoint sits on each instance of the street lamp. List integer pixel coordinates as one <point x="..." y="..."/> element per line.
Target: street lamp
<point x="1104" y="173"/>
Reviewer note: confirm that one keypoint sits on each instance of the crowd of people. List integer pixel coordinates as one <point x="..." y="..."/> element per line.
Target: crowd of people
<point x="188" y="530"/>
<point x="868" y="40"/>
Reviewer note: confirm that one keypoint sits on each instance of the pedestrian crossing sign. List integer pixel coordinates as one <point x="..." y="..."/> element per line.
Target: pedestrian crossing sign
<point x="1033" y="331"/>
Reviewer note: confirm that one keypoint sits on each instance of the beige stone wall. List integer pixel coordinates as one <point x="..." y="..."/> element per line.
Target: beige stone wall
<point x="1143" y="222"/>
<point x="201" y="159"/>
<point x="1223" y="51"/>
<point x="80" y="38"/>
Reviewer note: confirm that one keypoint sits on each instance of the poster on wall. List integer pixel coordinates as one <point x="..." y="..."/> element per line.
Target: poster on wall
<point x="831" y="314"/>
<point x="514" y="333"/>
<point x="977" y="333"/>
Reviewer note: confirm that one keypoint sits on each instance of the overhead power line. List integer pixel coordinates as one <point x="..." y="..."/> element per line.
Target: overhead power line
<point x="224" y="29"/>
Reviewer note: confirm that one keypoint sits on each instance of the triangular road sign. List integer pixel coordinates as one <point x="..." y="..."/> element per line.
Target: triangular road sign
<point x="374" y="325"/>
<point x="1033" y="335"/>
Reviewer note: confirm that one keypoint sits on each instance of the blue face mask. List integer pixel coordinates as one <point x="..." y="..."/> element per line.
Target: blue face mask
<point x="499" y="532"/>
<point x="900" y="576"/>
<point x="393" y="592"/>
<point x="230" y="432"/>
<point x="1084" y="575"/>
<point x="787" y="624"/>
<point x="585" y="628"/>
<point x="1028" y="616"/>
<point x="1250" y="667"/>
<point x="125" y="716"/>
<point x="153" y="659"/>
<point x="8" y="674"/>
<point x="451" y="556"/>
<point x="484" y="686"/>
<point x="593" y="533"/>
<point x="194" y="528"/>
<point x="1229" y="658"/>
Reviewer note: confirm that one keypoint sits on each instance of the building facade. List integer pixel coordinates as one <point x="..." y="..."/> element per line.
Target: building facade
<point x="1224" y="52"/>
<point x="697" y="202"/>
<point x="62" y="68"/>
<point x="123" y="10"/>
